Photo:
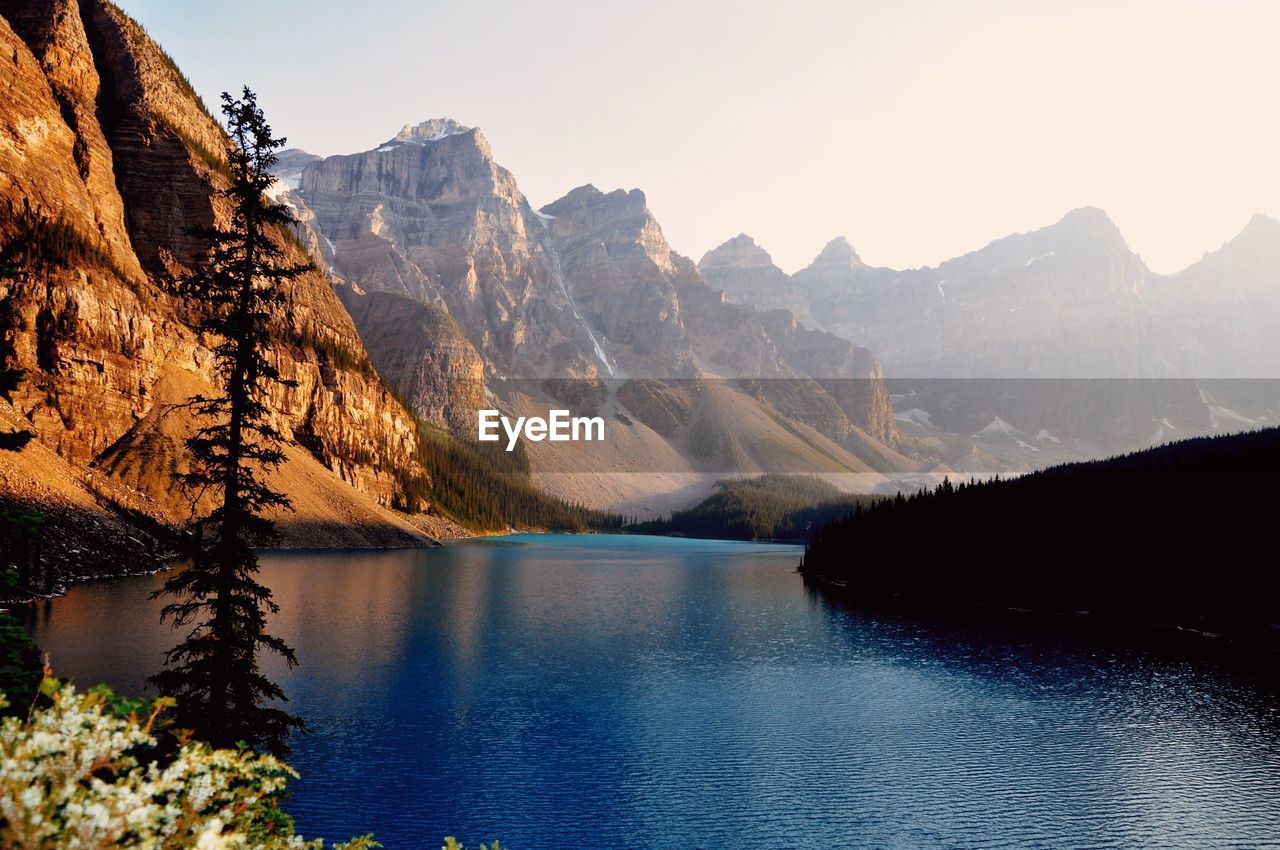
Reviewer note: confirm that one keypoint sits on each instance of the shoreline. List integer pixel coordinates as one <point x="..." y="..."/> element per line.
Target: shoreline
<point x="1114" y="631"/>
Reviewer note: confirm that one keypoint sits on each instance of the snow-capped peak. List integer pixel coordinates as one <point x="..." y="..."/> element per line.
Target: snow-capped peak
<point x="432" y="130"/>
<point x="997" y="426"/>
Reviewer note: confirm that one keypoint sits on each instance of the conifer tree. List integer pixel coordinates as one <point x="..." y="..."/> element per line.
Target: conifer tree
<point x="214" y="673"/>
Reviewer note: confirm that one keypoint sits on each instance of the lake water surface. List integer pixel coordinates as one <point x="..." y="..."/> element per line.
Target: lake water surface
<point x="629" y="692"/>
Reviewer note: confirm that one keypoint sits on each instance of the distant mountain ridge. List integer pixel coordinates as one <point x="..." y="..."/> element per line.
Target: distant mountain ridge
<point x="1062" y="335"/>
<point x="1070" y="300"/>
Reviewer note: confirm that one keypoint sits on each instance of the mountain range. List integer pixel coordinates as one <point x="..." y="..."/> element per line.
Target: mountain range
<point x="1047" y="346"/>
<point x="439" y="289"/>
<point x="582" y="302"/>
<point x="1070" y="300"/>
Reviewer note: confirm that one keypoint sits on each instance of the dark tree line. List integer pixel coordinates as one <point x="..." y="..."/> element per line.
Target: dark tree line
<point x="1179" y="534"/>
<point x="483" y="487"/>
<point x="767" y="507"/>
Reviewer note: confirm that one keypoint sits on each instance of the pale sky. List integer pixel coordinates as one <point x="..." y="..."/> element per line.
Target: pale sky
<point x="919" y="130"/>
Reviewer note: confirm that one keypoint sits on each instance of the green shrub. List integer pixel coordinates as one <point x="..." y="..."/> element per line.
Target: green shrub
<point x="21" y="667"/>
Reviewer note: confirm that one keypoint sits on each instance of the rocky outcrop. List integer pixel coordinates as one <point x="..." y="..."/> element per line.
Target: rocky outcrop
<point x="56" y="37"/>
<point x="624" y="278"/>
<point x="849" y="374"/>
<point x="420" y="350"/>
<point x="107" y="159"/>
<point x="430" y="215"/>
<point x="746" y="274"/>
<point x="78" y="535"/>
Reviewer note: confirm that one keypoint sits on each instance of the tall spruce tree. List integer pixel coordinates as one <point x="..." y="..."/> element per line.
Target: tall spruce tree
<point x="214" y="673"/>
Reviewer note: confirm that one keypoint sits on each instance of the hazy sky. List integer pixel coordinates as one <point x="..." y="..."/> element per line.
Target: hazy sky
<point x="919" y="130"/>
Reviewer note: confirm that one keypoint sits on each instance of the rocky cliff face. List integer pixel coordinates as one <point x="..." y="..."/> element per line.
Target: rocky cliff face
<point x="430" y="215"/>
<point x="107" y="159"/>
<point x="56" y="38"/>
<point x="420" y="350"/>
<point x="611" y="256"/>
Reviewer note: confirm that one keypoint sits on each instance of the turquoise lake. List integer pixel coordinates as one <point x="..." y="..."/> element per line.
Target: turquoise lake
<point x="636" y="692"/>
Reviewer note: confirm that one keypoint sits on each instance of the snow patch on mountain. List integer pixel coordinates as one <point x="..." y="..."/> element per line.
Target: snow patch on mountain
<point x="1226" y="419"/>
<point x="432" y="130"/>
<point x="1000" y="428"/>
<point x="996" y="426"/>
<point x="279" y="191"/>
<point x="915" y="416"/>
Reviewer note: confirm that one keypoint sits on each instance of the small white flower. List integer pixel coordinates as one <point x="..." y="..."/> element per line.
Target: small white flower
<point x="32" y="797"/>
<point x="213" y="838"/>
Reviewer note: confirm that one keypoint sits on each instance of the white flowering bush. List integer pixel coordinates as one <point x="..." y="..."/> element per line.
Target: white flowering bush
<point x="70" y="779"/>
<point x="451" y="843"/>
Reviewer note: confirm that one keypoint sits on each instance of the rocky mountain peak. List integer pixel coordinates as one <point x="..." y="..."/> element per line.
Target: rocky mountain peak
<point x="625" y="209"/>
<point x="838" y="252"/>
<point x="747" y="275"/>
<point x="1254" y="251"/>
<point x="294" y="158"/>
<point x="1089" y="223"/>
<point x="1262" y="225"/>
<point x="586" y="193"/>
<point x="289" y="166"/>
<point x="618" y="218"/>
<point x="740" y="252"/>
<point x="431" y="130"/>
<point x="1262" y="233"/>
